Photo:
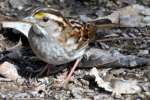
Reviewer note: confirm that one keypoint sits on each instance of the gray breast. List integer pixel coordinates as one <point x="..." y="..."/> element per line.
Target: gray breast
<point x="49" y="49"/>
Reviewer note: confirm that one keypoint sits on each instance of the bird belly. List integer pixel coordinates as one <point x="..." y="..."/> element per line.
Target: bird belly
<point x="50" y="51"/>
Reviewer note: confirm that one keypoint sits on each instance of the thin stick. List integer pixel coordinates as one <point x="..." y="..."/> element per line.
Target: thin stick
<point x="121" y="38"/>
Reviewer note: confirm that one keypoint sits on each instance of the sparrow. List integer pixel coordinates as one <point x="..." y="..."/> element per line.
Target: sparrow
<point x="55" y="39"/>
<point x="58" y="40"/>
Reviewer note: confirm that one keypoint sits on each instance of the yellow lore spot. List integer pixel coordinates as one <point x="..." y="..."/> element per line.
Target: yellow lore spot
<point x="40" y="15"/>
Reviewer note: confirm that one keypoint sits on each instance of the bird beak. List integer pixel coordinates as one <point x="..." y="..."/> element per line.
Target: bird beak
<point x="30" y="19"/>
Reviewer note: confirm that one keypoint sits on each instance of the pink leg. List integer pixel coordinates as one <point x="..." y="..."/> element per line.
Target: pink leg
<point x="71" y="72"/>
<point x="46" y="69"/>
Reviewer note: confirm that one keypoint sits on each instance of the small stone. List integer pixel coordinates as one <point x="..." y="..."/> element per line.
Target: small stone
<point x="143" y="52"/>
<point x="146" y="19"/>
<point x="19" y="4"/>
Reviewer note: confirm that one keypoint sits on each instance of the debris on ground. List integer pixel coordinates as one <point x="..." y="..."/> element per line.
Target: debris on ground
<point x="118" y="58"/>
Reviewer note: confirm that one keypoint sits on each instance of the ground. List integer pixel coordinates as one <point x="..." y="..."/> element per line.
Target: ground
<point x="82" y="85"/>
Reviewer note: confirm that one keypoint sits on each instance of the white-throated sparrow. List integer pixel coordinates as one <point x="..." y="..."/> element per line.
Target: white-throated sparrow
<point x="53" y="38"/>
<point x="58" y="40"/>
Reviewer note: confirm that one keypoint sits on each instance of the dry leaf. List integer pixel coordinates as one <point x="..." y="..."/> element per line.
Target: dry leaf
<point x="116" y="86"/>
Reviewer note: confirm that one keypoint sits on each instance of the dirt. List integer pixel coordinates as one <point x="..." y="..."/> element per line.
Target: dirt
<point x="82" y="85"/>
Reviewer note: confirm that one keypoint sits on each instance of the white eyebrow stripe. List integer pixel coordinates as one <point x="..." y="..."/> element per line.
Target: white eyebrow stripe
<point x="76" y="24"/>
<point x="56" y="18"/>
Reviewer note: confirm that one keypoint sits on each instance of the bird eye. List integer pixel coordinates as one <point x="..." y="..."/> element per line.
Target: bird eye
<point x="45" y="19"/>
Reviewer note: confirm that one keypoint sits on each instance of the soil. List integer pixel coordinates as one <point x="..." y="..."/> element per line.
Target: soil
<point x="81" y="85"/>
